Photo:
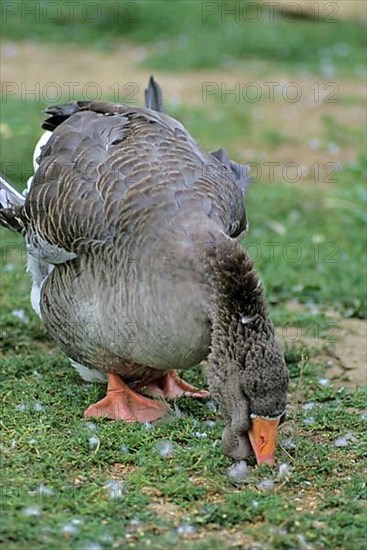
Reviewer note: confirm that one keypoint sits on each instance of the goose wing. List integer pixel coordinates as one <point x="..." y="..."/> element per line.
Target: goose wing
<point x="106" y="163"/>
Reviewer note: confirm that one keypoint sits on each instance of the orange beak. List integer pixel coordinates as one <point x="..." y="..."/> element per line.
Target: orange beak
<point x="263" y="436"/>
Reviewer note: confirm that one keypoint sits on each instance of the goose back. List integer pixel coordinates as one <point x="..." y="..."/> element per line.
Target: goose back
<point x="110" y="170"/>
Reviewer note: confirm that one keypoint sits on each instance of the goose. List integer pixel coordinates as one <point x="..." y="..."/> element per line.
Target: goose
<point x="132" y="234"/>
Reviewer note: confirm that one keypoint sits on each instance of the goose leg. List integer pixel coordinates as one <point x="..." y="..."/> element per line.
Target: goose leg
<point x="122" y="403"/>
<point x="171" y="386"/>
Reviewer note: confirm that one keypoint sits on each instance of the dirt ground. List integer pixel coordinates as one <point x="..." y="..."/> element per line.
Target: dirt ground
<point x="349" y="356"/>
<point x="345" y="358"/>
<point x="342" y="9"/>
<point x="30" y="66"/>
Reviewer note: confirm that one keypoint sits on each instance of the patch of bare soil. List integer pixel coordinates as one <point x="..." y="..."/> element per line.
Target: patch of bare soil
<point x="166" y="509"/>
<point x="234" y="537"/>
<point x="349" y="355"/>
<point x="338" y="9"/>
<point x="231" y="538"/>
<point x="122" y="471"/>
<point x="291" y="105"/>
<point x="345" y="354"/>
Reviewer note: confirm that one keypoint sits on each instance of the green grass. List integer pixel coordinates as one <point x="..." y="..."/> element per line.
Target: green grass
<point x="319" y="257"/>
<point x="177" y="31"/>
<point x="50" y="447"/>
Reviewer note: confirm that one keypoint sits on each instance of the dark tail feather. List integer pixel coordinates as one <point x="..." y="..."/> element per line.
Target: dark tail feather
<point x="153" y="96"/>
<point x="11" y="204"/>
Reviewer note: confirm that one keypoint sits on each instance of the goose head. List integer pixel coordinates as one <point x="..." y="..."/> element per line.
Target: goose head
<point x="247" y="372"/>
<point x="258" y="384"/>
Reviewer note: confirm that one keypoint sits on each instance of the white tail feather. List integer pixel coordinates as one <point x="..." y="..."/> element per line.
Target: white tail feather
<point x="9" y="196"/>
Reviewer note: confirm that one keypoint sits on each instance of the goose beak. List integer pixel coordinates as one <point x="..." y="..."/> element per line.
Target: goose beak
<point x="263" y="436"/>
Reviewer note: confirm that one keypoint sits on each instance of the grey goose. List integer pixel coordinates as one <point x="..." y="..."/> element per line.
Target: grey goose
<point x="132" y="238"/>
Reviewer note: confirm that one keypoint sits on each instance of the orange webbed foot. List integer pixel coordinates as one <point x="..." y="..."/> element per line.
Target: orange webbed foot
<point x="122" y="403"/>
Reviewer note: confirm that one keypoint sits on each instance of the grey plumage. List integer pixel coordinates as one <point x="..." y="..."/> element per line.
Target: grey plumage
<point x="139" y="223"/>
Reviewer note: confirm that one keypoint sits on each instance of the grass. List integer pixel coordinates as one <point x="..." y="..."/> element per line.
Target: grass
<point x="51" y="467"/>
<point x="177" y="30"/>
<point x="50" y="447"/>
